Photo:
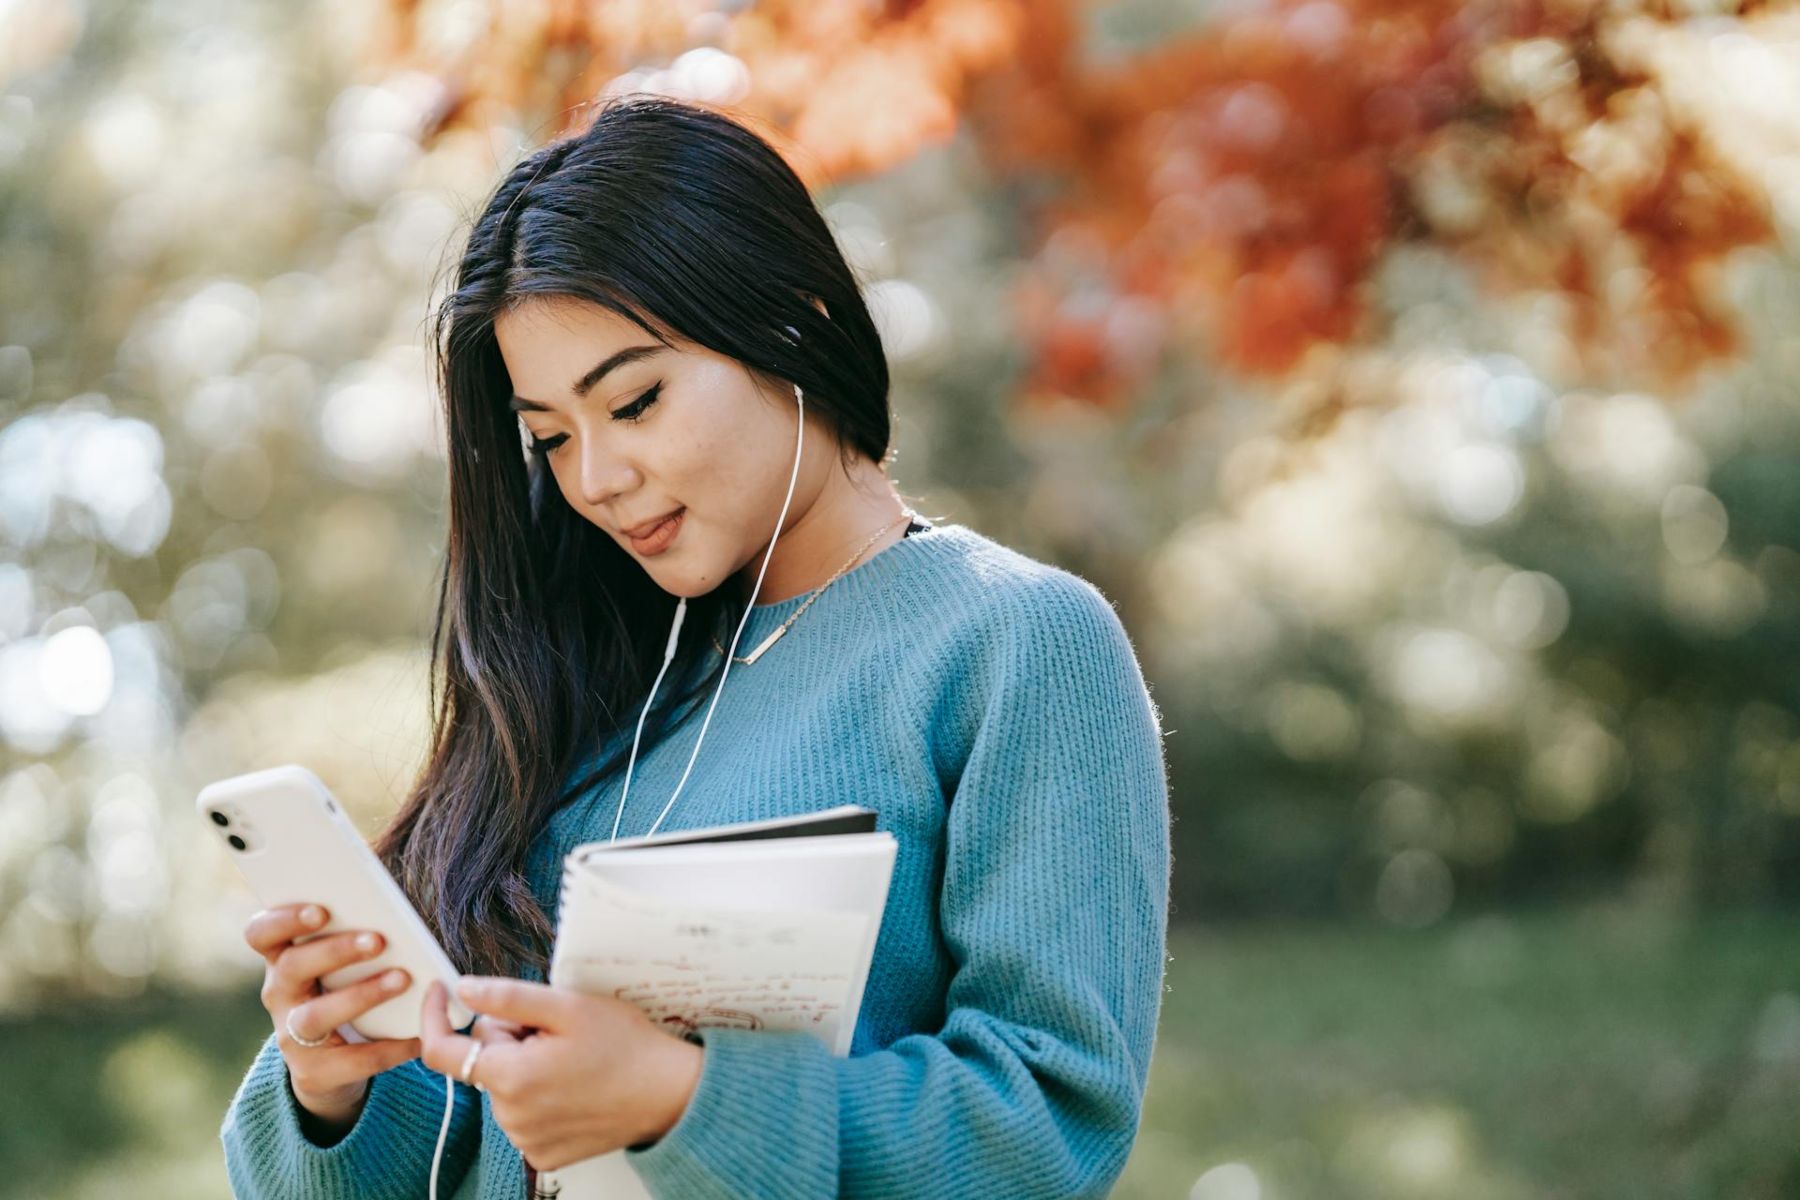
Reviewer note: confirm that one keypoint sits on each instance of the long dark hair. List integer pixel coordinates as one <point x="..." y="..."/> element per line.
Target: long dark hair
<point x="548" y="633"/>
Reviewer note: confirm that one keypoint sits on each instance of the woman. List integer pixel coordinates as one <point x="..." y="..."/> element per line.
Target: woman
<point x="660" y="306"/>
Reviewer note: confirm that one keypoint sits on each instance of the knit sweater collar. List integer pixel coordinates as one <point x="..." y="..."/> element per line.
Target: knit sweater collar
<point x="863" y="581"/>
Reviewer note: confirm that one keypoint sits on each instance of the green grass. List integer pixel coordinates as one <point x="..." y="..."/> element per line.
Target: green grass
<point x="124" y="1099"/>
<point x="1544" y="1056"/>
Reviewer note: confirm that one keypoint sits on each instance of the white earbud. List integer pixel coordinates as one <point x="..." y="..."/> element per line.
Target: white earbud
<point x="675" y="631"/>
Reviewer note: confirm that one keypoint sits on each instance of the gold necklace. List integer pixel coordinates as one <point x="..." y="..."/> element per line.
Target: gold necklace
<point x="783" y="627"/>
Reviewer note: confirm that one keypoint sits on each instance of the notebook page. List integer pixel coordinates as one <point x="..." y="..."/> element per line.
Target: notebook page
<point x="688" y="966"/>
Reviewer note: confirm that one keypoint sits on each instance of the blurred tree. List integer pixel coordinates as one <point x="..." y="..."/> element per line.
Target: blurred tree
<point x="1304" y="330"/>
<point x="1230" y="190"/>
<point x="1402" y="671"/>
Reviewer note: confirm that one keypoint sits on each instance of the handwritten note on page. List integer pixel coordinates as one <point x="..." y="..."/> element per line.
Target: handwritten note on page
<point x="692" y="967"/>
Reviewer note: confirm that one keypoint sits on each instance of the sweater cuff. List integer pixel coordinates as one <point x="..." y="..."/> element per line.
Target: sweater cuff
<point x="763" y="1121"/>
<point x="384" y="1156"/>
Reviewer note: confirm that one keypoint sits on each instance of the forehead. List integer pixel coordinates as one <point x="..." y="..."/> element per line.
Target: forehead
<point x="544" y="321"/>
<point x="559" y="348"/>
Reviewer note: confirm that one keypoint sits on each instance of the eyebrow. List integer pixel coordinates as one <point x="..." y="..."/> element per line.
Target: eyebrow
<point x="596" y="373"/>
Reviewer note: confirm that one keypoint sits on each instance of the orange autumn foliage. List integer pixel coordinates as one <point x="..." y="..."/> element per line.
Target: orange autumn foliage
<point x="1226" y="194"/>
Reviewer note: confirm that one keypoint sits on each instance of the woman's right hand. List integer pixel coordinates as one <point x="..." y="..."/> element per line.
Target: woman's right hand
<point x="329" y="1081"/>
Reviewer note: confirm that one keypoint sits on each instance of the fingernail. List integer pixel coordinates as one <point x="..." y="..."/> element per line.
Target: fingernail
<point x="468" y="989"/>
<point x="394" y="979"/>
<point x="365" y="941"/>
<point x="311" y="915"/>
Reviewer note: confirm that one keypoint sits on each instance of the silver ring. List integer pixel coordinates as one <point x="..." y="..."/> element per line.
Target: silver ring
<point x="298" y="1040"/>
<point x="468" y="1065"/>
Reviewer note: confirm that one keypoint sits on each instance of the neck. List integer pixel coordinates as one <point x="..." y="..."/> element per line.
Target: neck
<point x="851" y="506"/>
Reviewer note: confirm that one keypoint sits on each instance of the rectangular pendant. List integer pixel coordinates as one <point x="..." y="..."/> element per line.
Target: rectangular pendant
<point x="766" y="643"/>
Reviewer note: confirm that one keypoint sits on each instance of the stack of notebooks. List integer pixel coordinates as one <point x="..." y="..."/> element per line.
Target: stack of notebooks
<point x="767" y="925"/>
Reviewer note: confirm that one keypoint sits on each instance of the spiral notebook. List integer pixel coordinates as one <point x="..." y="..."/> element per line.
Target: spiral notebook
<point x="765" y="925"/>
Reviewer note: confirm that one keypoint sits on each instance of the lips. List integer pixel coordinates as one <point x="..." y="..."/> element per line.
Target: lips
<point x="648" y="527"/>
<point x="661" y="534"/>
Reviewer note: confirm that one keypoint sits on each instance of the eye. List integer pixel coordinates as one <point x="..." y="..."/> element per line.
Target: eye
<point x="631" y="412"/>
<point x="638" y="407"/>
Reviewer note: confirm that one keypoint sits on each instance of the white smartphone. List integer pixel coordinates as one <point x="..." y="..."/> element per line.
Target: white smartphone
<point x="294" y="845"/>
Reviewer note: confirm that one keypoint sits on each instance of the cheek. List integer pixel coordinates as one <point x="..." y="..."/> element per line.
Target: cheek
<point x="707" y="473"/>
<point x="567" y="481"/>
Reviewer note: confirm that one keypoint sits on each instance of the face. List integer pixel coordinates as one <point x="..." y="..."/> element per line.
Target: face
<point x="663" y="430"/>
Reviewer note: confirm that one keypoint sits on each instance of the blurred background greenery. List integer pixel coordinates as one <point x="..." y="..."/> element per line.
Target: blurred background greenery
<point x="1419" y="381"/>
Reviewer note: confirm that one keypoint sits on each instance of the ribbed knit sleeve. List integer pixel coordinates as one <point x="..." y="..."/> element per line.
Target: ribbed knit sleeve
<point x="1054" y="909"/>
<point x="386" y="1155"/>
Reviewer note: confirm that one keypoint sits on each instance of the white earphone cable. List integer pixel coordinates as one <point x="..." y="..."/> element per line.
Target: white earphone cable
<point x="668" y="657"/>
<point x="443" y="1131"/>
<point x="669" y="651"/>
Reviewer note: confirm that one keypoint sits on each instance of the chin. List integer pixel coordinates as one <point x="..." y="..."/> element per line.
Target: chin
<point x="680" y="583"/>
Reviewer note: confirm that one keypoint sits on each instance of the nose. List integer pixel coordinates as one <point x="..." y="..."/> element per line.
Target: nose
<point x="603" y="474"/>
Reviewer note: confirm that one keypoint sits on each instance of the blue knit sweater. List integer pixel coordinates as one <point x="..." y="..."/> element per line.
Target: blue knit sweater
<point x="990" y="708"/>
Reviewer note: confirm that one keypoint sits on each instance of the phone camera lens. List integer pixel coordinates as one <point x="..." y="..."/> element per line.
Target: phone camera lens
<point x="218" y="817"/>
<point x="237" y="843"/>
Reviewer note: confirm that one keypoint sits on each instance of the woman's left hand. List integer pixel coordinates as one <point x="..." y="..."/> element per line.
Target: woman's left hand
<point x="570" y="1076"/>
